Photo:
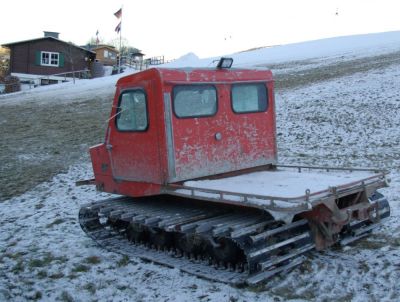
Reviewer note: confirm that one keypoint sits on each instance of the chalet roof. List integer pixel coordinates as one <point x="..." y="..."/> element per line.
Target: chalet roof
<point x="138" y="53"/>
<point x="105" y="46"/>
<point x="46" y="38"/>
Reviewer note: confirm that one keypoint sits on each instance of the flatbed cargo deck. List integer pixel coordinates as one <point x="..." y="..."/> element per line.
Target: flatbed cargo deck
<point x="283" y="188"/>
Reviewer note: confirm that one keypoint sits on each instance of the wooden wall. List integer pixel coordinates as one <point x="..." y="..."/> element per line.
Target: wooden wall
<point x="24" y="57"/>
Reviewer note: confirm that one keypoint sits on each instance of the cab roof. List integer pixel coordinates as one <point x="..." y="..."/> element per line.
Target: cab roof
<point x="200" y="75"/>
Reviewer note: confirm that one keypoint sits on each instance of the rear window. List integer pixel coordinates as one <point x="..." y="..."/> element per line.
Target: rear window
<point x="194" y="100"/>
<point x="249" y="98"/>
<point x="132" y="111"/>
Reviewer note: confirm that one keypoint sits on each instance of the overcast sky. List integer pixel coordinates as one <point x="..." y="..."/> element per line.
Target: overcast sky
<point x="207" y="27"/>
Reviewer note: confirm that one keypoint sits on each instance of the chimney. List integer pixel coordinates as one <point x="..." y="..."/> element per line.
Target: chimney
<point x="51" y="34"/>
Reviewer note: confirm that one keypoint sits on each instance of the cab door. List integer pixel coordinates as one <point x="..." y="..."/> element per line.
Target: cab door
<point x="132" y="141"/>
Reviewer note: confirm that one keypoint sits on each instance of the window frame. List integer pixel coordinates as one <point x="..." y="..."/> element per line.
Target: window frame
<point x="119" y="109"/>
<point x="195" y="85"/>
<point x="50" y="53"/>
<point x="264" y="84"/>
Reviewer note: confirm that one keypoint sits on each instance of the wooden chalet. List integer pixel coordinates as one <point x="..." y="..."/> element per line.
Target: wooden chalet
<point x="47" y="56"/>
<point x="106" y="54"/>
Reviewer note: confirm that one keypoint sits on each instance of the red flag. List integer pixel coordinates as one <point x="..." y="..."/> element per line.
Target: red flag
<point x="118" y="14"/>
<point x="118" y="28"/>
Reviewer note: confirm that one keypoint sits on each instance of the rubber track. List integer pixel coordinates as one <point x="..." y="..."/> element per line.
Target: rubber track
<point x="254" y="234"/>
<point x="266" y="246"/>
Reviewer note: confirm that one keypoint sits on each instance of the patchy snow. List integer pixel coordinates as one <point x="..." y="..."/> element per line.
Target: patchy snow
<point x="347" y="121"/>
<point x="282" y="183"/>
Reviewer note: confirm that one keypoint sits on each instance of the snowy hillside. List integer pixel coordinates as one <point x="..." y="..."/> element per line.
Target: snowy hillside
<point x="337" y="105"/>
<point x="347" y="48"/>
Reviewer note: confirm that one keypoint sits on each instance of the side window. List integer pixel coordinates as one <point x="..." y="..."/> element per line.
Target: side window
<point x="50" y="58"/>
<point x="132" y="111"/>
<point x="194" y="100"/>
<point x="249" y="98"/>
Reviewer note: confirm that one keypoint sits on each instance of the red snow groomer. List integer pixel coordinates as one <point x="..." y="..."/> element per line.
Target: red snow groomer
<point x="193" y="152"/>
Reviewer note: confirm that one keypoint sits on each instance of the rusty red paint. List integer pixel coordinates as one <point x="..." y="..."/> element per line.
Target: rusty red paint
<point x="140" y="163"/>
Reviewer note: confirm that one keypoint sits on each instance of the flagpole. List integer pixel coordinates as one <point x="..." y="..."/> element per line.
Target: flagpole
<point x="120" y="41"/>
<point x="118" y="29"/>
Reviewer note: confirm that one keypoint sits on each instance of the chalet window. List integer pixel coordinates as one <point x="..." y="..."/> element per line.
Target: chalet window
<point x="194" y="100"/>
<point x="50" y="58"/>
<point x="109" y="54"/>
<point x="248" y="98"/>
<point x="132" y="111"/>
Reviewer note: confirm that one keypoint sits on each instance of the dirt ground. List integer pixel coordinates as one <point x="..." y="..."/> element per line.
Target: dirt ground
<point x="38" y="141"/>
